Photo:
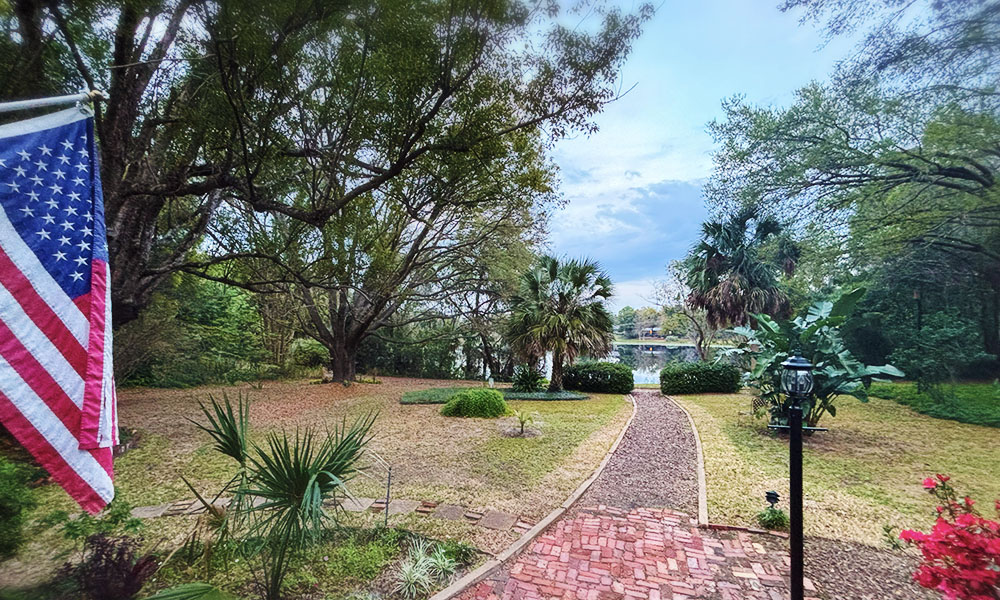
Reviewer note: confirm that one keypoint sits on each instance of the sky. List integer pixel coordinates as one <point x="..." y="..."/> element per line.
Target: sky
<point x="634" y="187"/>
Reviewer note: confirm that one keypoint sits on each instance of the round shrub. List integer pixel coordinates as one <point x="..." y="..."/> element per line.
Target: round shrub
<point x="599" y="377"/>
<point x="699" y="378"/>
<point x="476" y="402"/>
<point x="527" y="379"/>
<point x="307" y="352"/>
<point x="16" y="500"/>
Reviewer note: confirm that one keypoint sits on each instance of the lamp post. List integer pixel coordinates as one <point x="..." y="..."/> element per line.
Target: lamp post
<point x="797" y="384"/>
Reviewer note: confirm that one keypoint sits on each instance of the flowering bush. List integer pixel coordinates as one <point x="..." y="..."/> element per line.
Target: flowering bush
<point x="962" y="552"/>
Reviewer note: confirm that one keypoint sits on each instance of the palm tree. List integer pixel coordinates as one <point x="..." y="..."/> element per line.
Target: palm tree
<point x="560" y="309"/>
<point x="728" y="275"/>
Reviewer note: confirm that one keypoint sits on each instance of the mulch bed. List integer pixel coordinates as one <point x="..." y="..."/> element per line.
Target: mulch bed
<point x="655" y="464"/>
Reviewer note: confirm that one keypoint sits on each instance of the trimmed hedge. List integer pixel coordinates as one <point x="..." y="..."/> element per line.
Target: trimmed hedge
<point x="699" y="378"/>
<point x="599" y="377"/>
<point x="476" y="402"/>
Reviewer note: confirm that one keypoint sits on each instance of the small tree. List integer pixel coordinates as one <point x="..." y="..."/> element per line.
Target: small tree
<point x="817" y="336"/>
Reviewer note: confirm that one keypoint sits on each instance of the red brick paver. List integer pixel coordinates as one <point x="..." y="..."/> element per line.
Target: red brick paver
<point x="604" y="553"/>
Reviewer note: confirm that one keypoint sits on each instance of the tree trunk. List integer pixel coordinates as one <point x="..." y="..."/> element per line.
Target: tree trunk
<point x="556" y="382"/>
<point x="343" y="360"/>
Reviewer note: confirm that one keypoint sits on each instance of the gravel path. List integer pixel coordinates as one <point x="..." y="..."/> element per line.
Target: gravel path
<point x="655" y="465"/>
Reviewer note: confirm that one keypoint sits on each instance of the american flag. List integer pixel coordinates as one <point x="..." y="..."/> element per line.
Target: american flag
<point x="57" y="393"/>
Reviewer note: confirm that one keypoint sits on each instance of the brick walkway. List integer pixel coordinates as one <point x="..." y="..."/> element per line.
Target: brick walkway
<point x="604" y="553"/>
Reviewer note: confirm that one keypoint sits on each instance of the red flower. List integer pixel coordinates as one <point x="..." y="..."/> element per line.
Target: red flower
<point x="929" y="484"/>
<point x="943" y="478"/>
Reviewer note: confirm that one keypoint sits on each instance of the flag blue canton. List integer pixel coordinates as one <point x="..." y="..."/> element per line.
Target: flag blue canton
<point x="48" y="190"/>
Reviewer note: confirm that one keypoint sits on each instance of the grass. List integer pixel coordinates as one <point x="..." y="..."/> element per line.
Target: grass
<point x="433" y="457"/>
<point x="865" y="472"/>
<point x="975" y="403"/>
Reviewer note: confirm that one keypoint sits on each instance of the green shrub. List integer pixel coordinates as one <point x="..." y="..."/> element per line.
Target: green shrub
<point x="527" y="379"/>
<point x="307" y="352"/>
<point x="430" y="395"/>
<point x="699" y="377"/>
<point x="599" y="377"/>
<point x="476" y="402"/>
<point x="15" y="501"/>
<point x="772" y="518"/>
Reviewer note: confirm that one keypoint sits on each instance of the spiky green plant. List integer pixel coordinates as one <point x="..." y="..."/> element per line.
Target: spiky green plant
<point x="414" y="577"/>
<point x="229" y="428"/>
<point x="440" y="564"/>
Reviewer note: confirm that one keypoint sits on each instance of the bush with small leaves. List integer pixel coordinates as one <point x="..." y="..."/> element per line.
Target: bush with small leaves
<point x="772" y="518"/>
<point x="476" y="402"/>
<point x="699" y="378"/>
<point x="307" y="352"/>
<point x="599" y="377"/>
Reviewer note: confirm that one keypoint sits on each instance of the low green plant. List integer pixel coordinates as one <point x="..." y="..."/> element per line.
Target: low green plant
<point x="599" y="377"/>
<point x="430" y="395"/>
<point x="563" y="395"/>
<point x="699" y="378"/>
<point x="461" y="552"/>
<point x="307" y="352"/>
<point x="476" y="402"/>
<point x="115" y="520"/>
<point x="524" y="419"/>
<point x="528" y="379"/>
<point x="16" y="500"/>
<point x="891" y="537"/>
<point x="442" y="566"/>
<point x="975" y="403"/>
<point x="413" y="580"/>
<point x="773" y="518"/>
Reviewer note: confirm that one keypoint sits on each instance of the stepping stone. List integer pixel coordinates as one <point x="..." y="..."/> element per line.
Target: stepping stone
<point x="378" y="506"/>
<point x="150" y="512"/>
<point x="494" y="519"/>
<point x="449" y="512"/>
<point x="179" y="508"/>
<point x="356" y="504"/>
<point x="426" y="507"/>
<point x="473" y="515"/>
<point x="402" y="507"/>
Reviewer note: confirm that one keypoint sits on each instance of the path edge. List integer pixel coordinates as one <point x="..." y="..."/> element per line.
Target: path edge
<point x="702" y="484"/>
<point x="484" y="570"/>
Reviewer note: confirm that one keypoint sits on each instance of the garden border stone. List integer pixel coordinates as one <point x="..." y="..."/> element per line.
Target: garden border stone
<point x="484" y="570"/>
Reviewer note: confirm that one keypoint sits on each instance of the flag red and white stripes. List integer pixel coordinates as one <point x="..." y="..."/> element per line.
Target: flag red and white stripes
<point x="57" y="393"/>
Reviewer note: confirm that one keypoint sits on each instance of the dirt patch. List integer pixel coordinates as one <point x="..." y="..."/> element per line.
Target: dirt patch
<point x="851" y="570"/>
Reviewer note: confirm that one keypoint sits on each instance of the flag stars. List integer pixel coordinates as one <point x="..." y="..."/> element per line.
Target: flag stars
<point x="67" y="144"/>
<point x="14" y="187"/>
<point x="49" y="219"/>
<point x="83" y="246"/>
<point x="81" y="167"/>
<point x="46" y="151"/>
<point x="63" y="241"/>
<point x="51" y="203"/>
<point x="70" y="210"/>
<point x="63" y="159"/>
<point x="36" y="179"/>
<point x="60" y="174"/>
<point x="34" y="196"/>
<point x="86" y="231"/>
<point x="73" y="196"/>
<point x="20" y="171"/>
<point x="42" y="165"/>
<point x="43" y="234"/>
<point x="77" y="276"/>
<point x="56" y="189"/>
<point x="90" y="217"/>
<point x="24" y="155"/>
<point x="66" y="225"/>
<point x="28" y="212"/>
<point x="83" y="152"/>
<point x="78" y="181"/>
<point x="80" y="260"/>
<point x="59" y="255"/>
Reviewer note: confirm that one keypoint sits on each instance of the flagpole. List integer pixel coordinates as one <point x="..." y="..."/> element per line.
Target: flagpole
<point x="90" y="96"/>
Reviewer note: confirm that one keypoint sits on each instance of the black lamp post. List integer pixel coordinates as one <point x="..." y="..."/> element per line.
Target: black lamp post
<point x="797" y="384"/>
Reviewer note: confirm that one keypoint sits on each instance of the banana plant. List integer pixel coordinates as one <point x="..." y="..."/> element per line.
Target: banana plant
<point x="816" y="335"/>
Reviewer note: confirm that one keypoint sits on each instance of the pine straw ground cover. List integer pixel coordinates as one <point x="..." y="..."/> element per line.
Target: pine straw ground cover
<point x="469" y="462"/>
<point x="862" y="474"/>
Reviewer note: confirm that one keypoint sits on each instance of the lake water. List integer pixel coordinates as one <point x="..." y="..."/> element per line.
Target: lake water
<point x="646" y="360"/>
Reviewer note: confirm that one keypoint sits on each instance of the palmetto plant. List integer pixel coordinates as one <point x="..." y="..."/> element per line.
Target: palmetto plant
<point x="560" y="309"/>
<point x="728" y="274"/>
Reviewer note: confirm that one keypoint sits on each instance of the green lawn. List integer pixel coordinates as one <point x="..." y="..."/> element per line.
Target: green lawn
<point x="862" y="474"/>
<point x="975" y="403"/>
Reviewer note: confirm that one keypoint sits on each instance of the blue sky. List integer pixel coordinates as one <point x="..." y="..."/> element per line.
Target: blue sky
<point x="634" y="188"/>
